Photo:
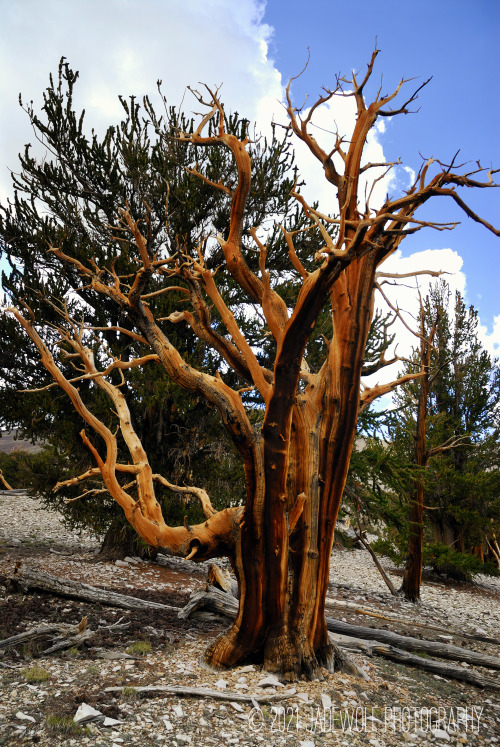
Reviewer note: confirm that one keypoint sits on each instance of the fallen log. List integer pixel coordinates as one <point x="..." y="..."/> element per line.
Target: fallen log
<point x="443" y="669"/>
<point x="30" y="578"/>
<point x="60" y="635"/>
<point x="443" y="650"/>
<point x="224" y="580"/>
<point x="334" y="604"/>
<point x="438" y="667"/>
<point x="212" y="599"/>
<point x="204" y="692"/>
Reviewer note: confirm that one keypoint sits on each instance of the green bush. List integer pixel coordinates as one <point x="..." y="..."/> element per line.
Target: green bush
<point x="456" y="565"/>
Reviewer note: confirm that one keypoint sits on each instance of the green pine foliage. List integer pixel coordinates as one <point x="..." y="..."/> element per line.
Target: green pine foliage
<point x="462" y="477"/>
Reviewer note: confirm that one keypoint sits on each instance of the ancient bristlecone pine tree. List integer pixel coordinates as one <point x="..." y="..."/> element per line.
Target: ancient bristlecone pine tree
<point x="279" y="542"/>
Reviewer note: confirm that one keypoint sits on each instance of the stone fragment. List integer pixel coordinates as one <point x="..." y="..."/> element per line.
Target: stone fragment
<point x="441" y="734"/>
<point x="25" y="717"/>
<point x="270" y="681"/>
<point x="86" y="713"/>
<point x="326" y="701"/>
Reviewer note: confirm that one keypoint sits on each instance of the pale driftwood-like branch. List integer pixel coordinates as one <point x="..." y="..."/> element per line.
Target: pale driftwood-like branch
<point x="374" y="647"/>
<point x="452" y="443"/>
<point x="335" y="604"/>
<point x="116" y="365"/>
<point x="398" y="313"/>
<point x="31" y="578"/>
<point x="204" y="692"/>
<point x="402" y="275"/>
<point x="438" y="648"/>
<point x="92" y="472"/>
<point x="61" y="635"/>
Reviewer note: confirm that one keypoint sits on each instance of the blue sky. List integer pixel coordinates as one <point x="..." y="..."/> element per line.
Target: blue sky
<point x="456" y="42"/>
<point x="123" y="46"/>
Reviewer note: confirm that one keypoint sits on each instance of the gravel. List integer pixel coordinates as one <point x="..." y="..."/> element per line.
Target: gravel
<point x="399" y="705"/>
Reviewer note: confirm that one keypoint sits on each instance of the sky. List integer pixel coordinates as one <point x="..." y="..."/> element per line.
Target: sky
<point x="252" y="48"/>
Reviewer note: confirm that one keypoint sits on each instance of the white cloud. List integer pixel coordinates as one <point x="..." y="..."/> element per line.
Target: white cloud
<point x="491" y="340"/>
<point x="404" y="295"/>
<point x="121" y="47"/>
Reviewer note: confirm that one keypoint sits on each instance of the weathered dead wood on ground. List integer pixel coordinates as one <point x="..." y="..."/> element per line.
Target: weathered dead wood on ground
<point x="372" y="647"/>
<point x="62" y="635"/>
<point x="224" y="603"/>
<point x="212" y="599"/>
<point x="441" y="668"/>
<point x="204" y="692"/>
<point x="444" y="650"/>
<point x="333" y="604"/>
<point x="378" y="565"/>
<point x="222" y="579"/>
<point x="31" y="578"/>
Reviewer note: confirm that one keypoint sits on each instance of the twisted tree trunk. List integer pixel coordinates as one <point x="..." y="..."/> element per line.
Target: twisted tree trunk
<point x="282" y="560"/>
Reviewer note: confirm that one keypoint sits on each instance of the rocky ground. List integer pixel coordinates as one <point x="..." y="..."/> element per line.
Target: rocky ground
<point x="398" y="705"/>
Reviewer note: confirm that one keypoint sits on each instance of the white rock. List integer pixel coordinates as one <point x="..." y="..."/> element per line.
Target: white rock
<point x="441" y="734"/>
<point x="86" y="713"/>
<point x="178" y="711"/>
<point x="326" y="701"/>
<point x="303" y="696"/>
<point x="168" y="725"/>
<point x="221" y="684"/>
<point x="121" y="563"/>
<point x="248" y="668"/>
<point x="306" y="743"/>
<point x="270" y="681"/>
<point x="25" y="717"/>
<point x="108" y="721"/>
<point x="236" y="706"/>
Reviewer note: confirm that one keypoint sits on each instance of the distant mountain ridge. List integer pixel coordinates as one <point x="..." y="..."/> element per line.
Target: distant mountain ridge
<point x="9" y="443"/>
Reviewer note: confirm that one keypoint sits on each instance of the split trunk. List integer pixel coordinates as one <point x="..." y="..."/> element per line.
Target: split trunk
<point x="295" y="482"/>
